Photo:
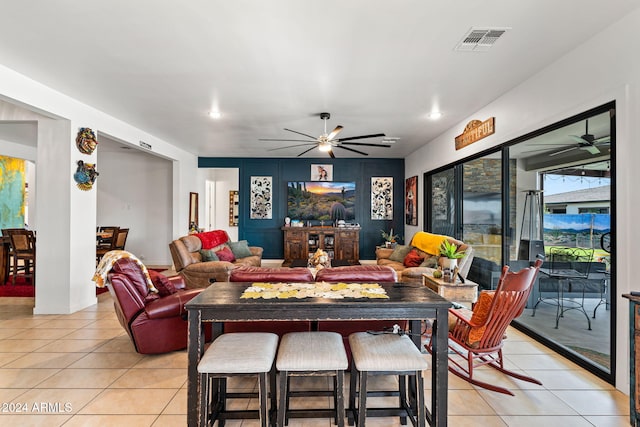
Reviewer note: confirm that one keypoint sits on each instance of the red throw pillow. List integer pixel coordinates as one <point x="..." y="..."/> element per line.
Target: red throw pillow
<point x="413" y="259"/>
<point x="225" y="254"/>
<point x="162" y="284"/>
<point x="211" y="239"/>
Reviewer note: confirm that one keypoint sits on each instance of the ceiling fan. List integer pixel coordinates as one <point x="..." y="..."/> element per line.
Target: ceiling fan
<point x="328" y="141"/>
<point x="585" y="142"/>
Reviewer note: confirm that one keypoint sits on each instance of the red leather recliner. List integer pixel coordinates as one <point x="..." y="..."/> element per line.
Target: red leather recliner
<point x="156" y="324"/>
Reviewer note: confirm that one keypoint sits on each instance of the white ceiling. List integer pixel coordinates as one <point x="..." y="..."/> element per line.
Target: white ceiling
<point x="375" y="65"/>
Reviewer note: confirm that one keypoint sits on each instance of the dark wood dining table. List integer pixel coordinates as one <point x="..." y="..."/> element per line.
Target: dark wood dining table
<point x="221" y="303"/>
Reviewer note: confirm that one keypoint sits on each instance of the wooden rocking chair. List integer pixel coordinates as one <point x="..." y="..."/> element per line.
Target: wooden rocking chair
<point x="478" y="335"/>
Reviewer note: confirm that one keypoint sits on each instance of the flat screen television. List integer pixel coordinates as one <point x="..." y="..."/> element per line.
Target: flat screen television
<point x="321" y="201"/>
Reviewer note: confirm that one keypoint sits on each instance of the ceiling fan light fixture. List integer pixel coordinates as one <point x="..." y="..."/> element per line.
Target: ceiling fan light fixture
<point x="324" y="146"/>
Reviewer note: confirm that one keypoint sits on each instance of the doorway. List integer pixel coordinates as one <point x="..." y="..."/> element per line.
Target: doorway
<point x="221" y="191"/>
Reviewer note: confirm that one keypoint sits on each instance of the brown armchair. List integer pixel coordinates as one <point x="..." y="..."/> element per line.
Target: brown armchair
<point x="389" y="257"/>
<point x="156" y="322"/>
<point x="188" y="261"/>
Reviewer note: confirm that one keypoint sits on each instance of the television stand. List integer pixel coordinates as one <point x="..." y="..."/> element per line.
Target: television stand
<point x="342" y="244"/>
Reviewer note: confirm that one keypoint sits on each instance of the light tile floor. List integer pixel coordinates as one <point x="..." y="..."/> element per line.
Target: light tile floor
<point x="81" y="370"/>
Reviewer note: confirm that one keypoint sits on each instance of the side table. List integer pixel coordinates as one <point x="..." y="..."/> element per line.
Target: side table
<point x="465" y="293"/>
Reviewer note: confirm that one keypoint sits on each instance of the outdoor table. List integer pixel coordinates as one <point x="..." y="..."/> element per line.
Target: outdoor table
<point x="221" y="303"/>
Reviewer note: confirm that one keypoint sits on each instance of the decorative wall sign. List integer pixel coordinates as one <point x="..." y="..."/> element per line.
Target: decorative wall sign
<point x="474" y="131"/>
<point x="86" y="141"/>
<point x="411" y="200"/>
<point x="85" y="175"/>
<point x="382" y="198"/>
<point x="321" y="172"/>
<point x="261" y="203"/>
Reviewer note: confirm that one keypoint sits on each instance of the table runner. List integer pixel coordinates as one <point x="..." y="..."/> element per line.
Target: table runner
<point x="259" y="290"/>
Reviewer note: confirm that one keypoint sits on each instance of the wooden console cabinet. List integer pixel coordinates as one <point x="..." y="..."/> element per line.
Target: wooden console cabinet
<point x="341" y="243"/>
<point x="634" y="358"/>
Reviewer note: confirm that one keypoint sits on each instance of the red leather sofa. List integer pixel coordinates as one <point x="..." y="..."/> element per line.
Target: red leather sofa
<point x="155" y="323"/>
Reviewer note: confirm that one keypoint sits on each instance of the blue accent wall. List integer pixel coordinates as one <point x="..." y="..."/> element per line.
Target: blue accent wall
<point x="267" y="233"/>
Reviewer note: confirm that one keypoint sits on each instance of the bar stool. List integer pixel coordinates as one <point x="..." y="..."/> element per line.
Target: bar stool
<point x="311" y="354"/>
<point x="231" y="355"/>
<point x="386" y="354"/>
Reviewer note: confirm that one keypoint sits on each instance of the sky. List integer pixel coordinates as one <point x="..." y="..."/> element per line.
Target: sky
<point x="555" y="184"/>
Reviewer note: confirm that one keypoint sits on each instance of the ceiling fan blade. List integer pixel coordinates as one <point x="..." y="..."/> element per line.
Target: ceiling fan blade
<point x="366" y="144"/>
<point x="334" y="132"/>
<point x="333" y="156"/>
<point x="577" y="138"/>
<point x="563" y="151"/>
<point x="305" y="151"/>
<point x="293" y="146"/>
<point x="351" y="138"/>
<point x="284" y="140"/>
<point x="591" y="149"/>
<point x="604" y="139"/>
<point x="300" y="133"/>
<point x="351" y="149"/>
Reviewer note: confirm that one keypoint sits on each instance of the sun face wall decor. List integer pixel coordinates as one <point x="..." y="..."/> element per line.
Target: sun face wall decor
<point x="85" y="175"/>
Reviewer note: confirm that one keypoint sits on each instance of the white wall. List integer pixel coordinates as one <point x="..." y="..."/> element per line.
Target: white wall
<point x="604" y="68"/>
<point x="134" y="191"/>
<point x="66" y="215"/>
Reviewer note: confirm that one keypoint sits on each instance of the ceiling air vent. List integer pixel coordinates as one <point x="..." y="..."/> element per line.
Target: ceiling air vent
<point x="480" y="39"/>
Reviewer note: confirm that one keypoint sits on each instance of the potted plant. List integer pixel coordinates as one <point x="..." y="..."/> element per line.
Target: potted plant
<point x="449" y="255"/>
<point x="389" y="238"/>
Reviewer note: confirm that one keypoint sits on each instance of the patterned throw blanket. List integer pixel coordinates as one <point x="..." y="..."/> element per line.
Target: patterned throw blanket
<point x="106" y="264"/>
<point x="427" y="242"/>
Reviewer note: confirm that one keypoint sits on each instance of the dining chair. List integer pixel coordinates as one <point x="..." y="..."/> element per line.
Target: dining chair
<point x="107" y="242"/>
<point x="23" y="248"/>
<point x="9" y="249"/>
<point x="121" y="239"/>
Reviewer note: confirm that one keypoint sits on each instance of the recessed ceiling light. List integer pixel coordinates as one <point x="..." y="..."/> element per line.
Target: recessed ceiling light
<point x="215" y="114"/>
<point x="435" y="115"/>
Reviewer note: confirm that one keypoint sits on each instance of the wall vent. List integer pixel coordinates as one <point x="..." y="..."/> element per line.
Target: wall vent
<point x="480" y="39"/>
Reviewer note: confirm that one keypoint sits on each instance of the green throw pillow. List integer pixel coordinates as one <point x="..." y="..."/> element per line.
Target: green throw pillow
<point x="240" y="249"/>
<point x="431" y="262"/>
<point x="208" y="255"/>
<point x="399" y="253"/>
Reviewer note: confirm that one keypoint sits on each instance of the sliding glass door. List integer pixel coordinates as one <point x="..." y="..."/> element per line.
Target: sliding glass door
<point x="547" y="194"/>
